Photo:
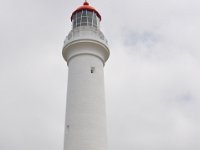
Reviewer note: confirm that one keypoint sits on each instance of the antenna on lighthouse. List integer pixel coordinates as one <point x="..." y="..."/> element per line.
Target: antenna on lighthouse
<point x="86" y="3"/>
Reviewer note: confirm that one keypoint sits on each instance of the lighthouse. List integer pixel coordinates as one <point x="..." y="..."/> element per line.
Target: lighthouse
<point x="86" y="52"/>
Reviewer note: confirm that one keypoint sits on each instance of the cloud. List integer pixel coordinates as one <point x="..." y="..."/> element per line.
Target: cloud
<point x="152" y="76"/>
<point x="145" y="38"/>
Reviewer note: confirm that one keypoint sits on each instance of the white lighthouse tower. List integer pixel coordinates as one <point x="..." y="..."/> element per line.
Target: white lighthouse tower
<point x="86" y="51"/>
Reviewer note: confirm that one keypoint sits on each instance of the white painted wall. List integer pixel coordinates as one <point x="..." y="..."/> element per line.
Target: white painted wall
<point x="85" y="116"/>
<point x="85" y="127"/>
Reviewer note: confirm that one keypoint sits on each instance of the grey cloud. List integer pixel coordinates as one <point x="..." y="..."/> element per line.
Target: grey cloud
<point x="145" y="38"/>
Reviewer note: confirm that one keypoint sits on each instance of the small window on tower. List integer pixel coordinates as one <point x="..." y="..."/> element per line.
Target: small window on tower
<point x="67" y="130"/>
<point x="92" y="69"/>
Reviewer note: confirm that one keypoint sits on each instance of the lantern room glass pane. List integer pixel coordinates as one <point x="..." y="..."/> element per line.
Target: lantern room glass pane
<point x="84" y="13"/>
<point x="78" y="14"/>
<point x="90" y="20"/>
<point x="78" y="20"/>
<point x="84" y="19"/>
<point x="89" y="14"/>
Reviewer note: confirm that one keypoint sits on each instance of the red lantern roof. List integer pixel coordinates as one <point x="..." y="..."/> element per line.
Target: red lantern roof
<point x="86" y="6"/>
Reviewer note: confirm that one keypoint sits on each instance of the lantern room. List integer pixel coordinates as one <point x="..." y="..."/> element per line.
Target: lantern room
<point x="86" y="15"/>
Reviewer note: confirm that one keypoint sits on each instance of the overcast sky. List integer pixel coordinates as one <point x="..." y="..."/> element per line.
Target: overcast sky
<point x="152" y="77"/>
